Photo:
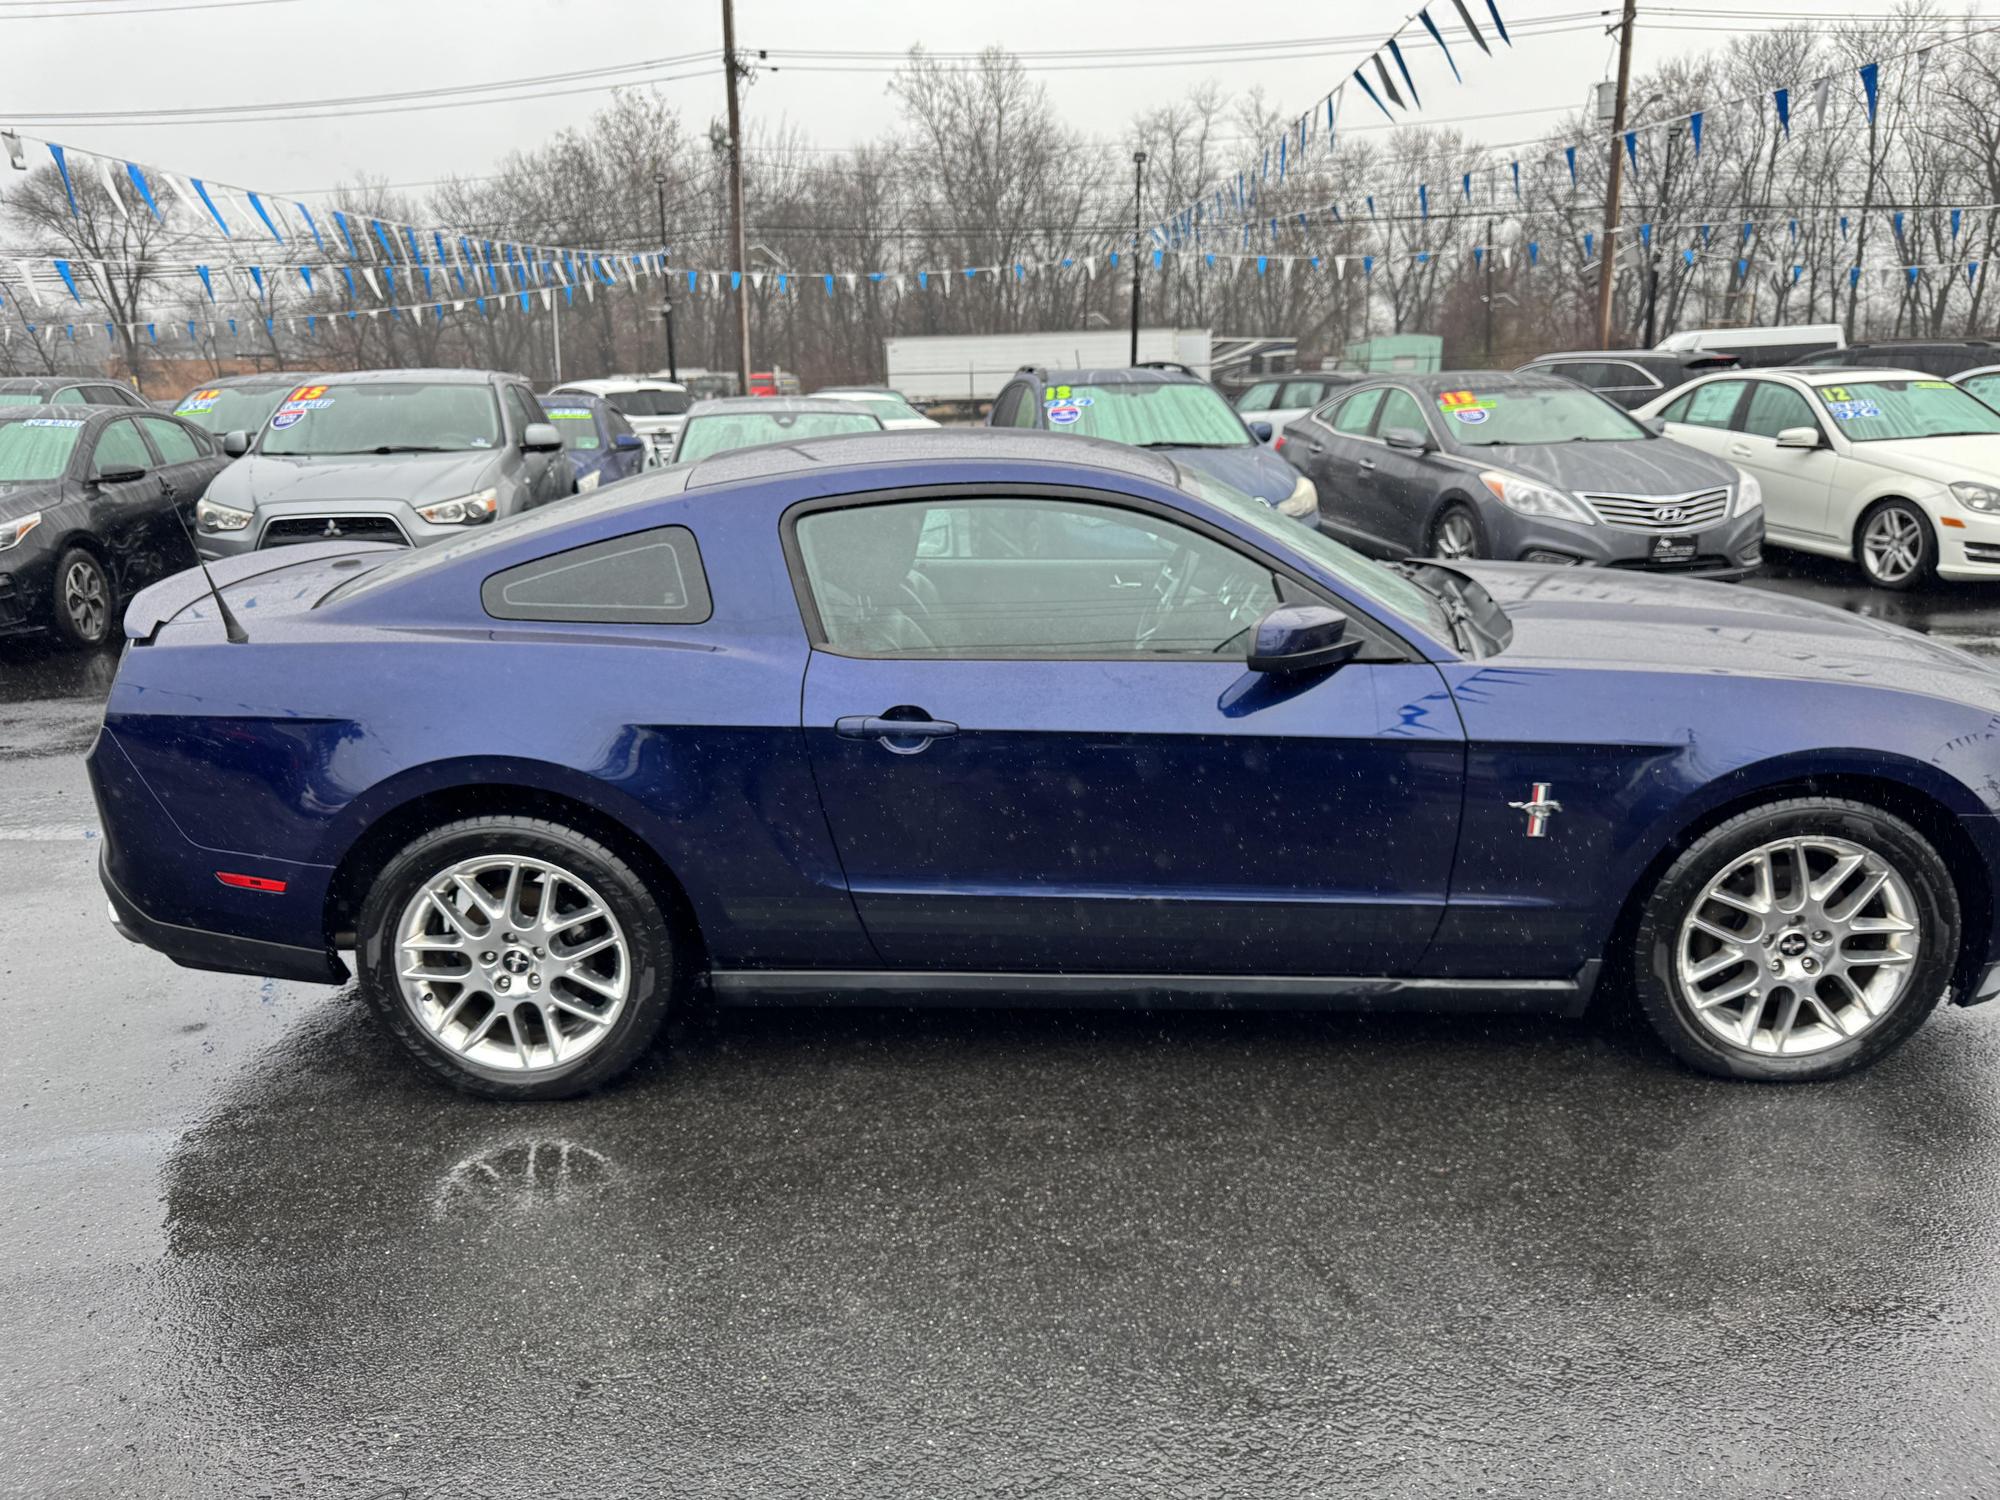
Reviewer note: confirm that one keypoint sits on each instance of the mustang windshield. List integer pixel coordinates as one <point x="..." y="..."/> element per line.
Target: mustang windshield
<point x="1394" y="592"/>
<point x="391" y="415"/>
<point x="231" y="408"/>
<point x="1146" y="416"/>
<point x="1869" y="411"/>
<point x="37" y="448"/>
<point x="1532" y="417"/>
<point x="706" y="436"/>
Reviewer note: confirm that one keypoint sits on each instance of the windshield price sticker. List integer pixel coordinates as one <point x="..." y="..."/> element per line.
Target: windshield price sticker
<point x="1063" y="413"/>
<point x="1464" y="401"/>
<point x="1852" y="411"/>
<point x="199" y="401"/>
<point x="566" y="414"/>
<point x="305" y="393"/>
<point x="1472" y="414"/>
<point x="289" y="416"/>
<point x="52" y="422"/>
<point x="1934" y="385"/>
<point x="1835" y="393"/>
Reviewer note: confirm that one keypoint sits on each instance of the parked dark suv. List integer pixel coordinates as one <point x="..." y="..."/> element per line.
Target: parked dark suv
<point x="1943" y="358"/>
<point x="1631" y="377"/>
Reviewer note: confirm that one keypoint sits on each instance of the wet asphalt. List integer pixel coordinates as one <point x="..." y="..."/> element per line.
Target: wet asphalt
<point x="246" y="1250"/>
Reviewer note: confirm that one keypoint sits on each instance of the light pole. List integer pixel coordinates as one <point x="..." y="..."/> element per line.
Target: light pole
<point x="666" y="294"/>
<point x="1614" y="174"/>
<point x="1138" y="200"/>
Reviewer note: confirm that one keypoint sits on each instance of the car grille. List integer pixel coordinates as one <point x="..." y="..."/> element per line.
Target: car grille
<point x="287" y="530"/>
<point x="1657" y="513"/>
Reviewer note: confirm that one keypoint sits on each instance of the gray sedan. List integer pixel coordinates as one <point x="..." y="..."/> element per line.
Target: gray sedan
<point x="404" y="456"/>
<point x="1521" y="467"/>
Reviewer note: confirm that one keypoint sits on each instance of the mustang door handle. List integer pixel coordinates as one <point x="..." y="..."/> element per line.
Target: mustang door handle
<point x="871" y="727"/>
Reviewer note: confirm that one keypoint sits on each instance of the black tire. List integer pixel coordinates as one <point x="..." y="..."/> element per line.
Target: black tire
<point x="1908" y="515"/>
<point x="1455" y="514"/>
<point x="651" y="952"/>
<point x="1672" y="900"/>
<point x="83" y="602"/>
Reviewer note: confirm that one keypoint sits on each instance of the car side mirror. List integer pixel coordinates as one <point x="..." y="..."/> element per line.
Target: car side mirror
<point x="541" y="437"/>
<point x="236" y="444"/>
<point x="1301" y="638"/>
<point x="1655" y="425"/>
<point x="119" y="474"/>
<point x="1800" y="437"/>
<point x="1407" y="438"/>
<point x="628" y="442"/>
<point x="1261" y="431"/>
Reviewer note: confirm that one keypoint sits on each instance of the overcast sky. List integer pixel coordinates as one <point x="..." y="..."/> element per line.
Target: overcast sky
<point x="275" y="50"/>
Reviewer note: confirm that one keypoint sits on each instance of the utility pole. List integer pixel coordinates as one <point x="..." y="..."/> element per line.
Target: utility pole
<point x="1486" y="254"/>
<point x="732" y="70"/>
<point x="1138" y="266"/>
<point x="666" y="284"/>
<point x="1615" y="178"/>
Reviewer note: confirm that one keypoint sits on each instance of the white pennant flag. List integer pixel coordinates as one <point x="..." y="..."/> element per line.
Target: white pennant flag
<point x="458" y="307"/>
<point x="757" y="281"/>
<point x="111" y="186"/>
<point x="850" y="281"/>
<point x="548" y="298"/>
<point x="368" y="275"/>
<point x="28" y="286"/>
<point x="1340" y="267"/>
<point x="714" y="283"/>
<point x="1089" y="270"/>
<point x="1820" y="91"/>
<point x="1507" y="258"/>
<point x="185" y="193"/>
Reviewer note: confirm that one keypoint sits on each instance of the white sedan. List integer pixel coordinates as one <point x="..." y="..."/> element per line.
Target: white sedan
<point x="889" y="406"/>
<point x="1895" y="469"/>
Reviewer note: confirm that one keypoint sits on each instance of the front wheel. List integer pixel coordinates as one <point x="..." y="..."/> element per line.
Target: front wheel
<point x="1895" y="545"/>
<point x="1455" y="535"/>
<point x="1797" y="942"/>
<point x="517" y="958"/>
<point x="83" y="598"/>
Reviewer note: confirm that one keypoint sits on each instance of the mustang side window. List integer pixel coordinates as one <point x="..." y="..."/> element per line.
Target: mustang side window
<point x="1027" y="578"/>
<point x="648" y="578"/>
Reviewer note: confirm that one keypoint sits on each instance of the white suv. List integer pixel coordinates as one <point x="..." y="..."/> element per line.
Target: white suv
<point x="655" y="408"/>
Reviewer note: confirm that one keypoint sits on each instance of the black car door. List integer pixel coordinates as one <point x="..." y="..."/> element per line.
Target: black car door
<point x="129" y="507"/>
<point x="189" y="462"/>
<point x="1406" y="479"/>
<point x="1338" y="455"/>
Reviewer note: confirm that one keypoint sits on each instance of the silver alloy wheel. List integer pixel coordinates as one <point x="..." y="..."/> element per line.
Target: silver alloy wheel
<point x="1455" y="537"/>
<point x="83" y="594"/>
<point x="1799" y="945"/>
<point x="515" y="964"/>
<point x="1892" y="544"/>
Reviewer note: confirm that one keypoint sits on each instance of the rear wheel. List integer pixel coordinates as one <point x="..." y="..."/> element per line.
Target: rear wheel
<point x="1895" y="545"/>
<point x="83" y="599"/>
<point x="517" y="958"/>
<point x="1797" y="941"/>
<point x="1455" y="534"/>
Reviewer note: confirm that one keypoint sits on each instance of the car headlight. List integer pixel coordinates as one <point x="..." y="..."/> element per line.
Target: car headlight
<point x="1302" y="501"/>
<point x="12" y="531"/>
<point x="1980" y="497"/>
<point x="1527" y="498"/>
<point x="1749" y="494"/>
<point x="466" y="510"/>
<point x="210" y="516"/>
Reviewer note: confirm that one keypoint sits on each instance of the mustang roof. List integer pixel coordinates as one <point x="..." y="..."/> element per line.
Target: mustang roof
<point x="996" y="446"/>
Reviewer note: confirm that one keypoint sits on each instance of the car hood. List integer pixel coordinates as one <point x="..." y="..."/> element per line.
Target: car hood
<point x="1939" y="459"/>
<point x="1655" y="466"/>
<point x="419" y="478"/>
<point x="1253" y="469"/>
<point x="17" y="500"/>
<point x="1611" y="618"/>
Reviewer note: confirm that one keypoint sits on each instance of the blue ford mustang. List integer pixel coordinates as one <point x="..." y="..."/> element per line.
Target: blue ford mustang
<point x="916" y="717"/>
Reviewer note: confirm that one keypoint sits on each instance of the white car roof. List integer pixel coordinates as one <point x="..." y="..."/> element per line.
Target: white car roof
<point x="618" y="387"/>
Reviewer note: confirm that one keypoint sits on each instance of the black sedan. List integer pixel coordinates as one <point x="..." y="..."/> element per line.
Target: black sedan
<point x="87" y="502"/>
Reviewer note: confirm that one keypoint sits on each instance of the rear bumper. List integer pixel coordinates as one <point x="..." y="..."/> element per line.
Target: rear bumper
<point x="192" y="948"/>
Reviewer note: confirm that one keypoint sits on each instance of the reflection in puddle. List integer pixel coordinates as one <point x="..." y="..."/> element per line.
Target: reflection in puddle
<point x="523" y="1177"/>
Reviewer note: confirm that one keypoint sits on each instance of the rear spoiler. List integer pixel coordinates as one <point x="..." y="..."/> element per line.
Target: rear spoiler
<point x="155" y="606"/>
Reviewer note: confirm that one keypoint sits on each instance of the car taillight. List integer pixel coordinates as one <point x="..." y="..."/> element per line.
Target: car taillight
<point x="1278" y="443"/>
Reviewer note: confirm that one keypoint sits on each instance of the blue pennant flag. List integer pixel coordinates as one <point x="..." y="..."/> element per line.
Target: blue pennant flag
<point x="340" y="222"/>
<point x="62" y="166"/>
<point x="1423" y="257"/>
<point x="1853" y="276"/>
<point x="347" y="276"/>
<point x="1797" y="272"/>
<point x="1704" y="236"/>
<point x="306" y="214"/>
<point x="1517" y="179"/>
<point x="1589" y="244"/>
<point x="1898" y="220"/>
<point x="68" y="279"/>
<point x="1261" y="260"/>
<point x="692" y="275"/>
<point x="1792" y="227"/>
<point x="1913" y="270"/>
<point x="1956" y="214"/>
<point x="1436" y="36"/>
<point x="389" y="278"/>
<point x="1646" y="236"/>
<point x="736" y="280"/>
<point x="1694" y="129"/>
<point x="257" y="276"/>
<point x="1534" y="252"/>
<point x="1742" y="268"/>
<point x="145" y="190"/>
<point x="1632" y="148"/>
<point x="207" y="285"/>
<point x="1843" y="226"/>
<point x="410" y="239"/>
<point x="1424" y="200"/>
<point x="1373" y="97"/>
<point x="1404" y="68"/>
<point x="1871" y="75"/>
<point x="1687" y="255"/>
<point x="1493" y="10"/>
<point x="1465" y="184"/>
<point x="193" y="337"/>
<point x="382" y="239"/>
<point x="1478" y="256"/>
<point x="1367" y="265"/>
<point x="1783" y="99"/>
<point x="257" y="207"/>
<point x="151" y="337"/>
<point x="1971" y="271"/>
<point x="306" y="275"/>
<point x="826" y="281"/>
<point x="1570" y="152"/>
<point x="201" y="191"/>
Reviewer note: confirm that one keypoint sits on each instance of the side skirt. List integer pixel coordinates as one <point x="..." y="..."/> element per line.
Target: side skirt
<point x="1383" y="993"/>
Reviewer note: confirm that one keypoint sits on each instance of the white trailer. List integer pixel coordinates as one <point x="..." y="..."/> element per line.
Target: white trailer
<point x="970" y="368"/>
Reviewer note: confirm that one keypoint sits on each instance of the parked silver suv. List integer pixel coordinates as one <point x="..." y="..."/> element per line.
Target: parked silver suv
<point x="405" y="456"/>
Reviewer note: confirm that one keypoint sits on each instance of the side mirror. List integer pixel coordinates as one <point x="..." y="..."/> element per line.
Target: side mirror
<point x="1261" y="431"/>
<point x="628" y="442"/>
<point x="541" y="437"/>
<point x="119" y="474"/>
<point x="1655" y="425"/>
<point x="1409" y="439"/>
<point x="236" y="444"/>
<point x="1800" y="437"/>
<point x="1301" y="638"/>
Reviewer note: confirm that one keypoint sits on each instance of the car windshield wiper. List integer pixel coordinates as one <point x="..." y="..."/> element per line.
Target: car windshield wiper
<point x="409" y="448"/>
<point x="1190" y="445"/>
<point x="1464" y="629"/>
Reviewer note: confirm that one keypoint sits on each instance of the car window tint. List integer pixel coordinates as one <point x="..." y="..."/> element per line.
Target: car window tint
<point x="1354" y="414"/>
<point x="1300" y="393"/>
<point x="119" y="446"/>
<point x="1985" y="387"/>
<point x="519" y="411"/>
<point x="1712" y="405"/>
<point x="172" y="439"/>
<point x="1026" y="412"/>
<point x="648" y="578"/>
<point x="1260" y="397"/>
<point x="1400" y="409"/>
<point x="1676" y="409"/>
<point x="68" y="396"/>
<point x="1775" y="407"/>
<point x="1004" y="406"/>
<point x="616" y="422"/>
<point x="1027" y="578"/>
